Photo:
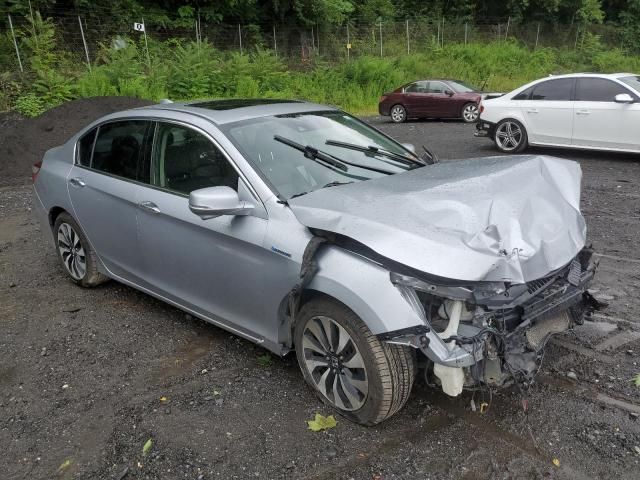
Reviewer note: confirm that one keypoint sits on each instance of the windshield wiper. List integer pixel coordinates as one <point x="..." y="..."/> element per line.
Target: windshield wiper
<point x="335" y="183"/>
<point x="312" y="153"/>
<point x="319" y="156"/>
<point x="372" y="150"/>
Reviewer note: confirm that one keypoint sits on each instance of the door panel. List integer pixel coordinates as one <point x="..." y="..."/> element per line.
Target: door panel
<point x="214" y="266"/>
<point x="601" y="122"/>
<point x="548" y="112"/>
<point x="438" y="102"/>
<point x="104" y="192"/>
<point x="416" y="98"/>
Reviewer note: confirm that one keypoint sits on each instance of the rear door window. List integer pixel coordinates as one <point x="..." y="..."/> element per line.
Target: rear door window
<point x="598" y="90"/>
<point x="559" y="89"/>
<point x="437" y="87"/>
<point x="417" y="87"/>
<point x="85" y="147"/>
<point x="185" y="160"/>
<point x="122" y="149"/>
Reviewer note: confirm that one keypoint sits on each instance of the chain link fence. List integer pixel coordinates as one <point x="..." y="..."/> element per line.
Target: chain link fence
<point x="82" y="34"/>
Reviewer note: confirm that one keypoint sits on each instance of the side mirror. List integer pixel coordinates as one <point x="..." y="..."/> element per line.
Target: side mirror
<point x="214" y="202"/>
<point x="624" y="98"/>
<point x="449" y="92"/>
<point x="409" y="146"/>
<point x="430" y="157"/>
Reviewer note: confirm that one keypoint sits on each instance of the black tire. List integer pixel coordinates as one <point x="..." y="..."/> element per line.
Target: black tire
<point x="470" y="112"/>
<point x="501" y="136"/>
<point x="389" y="369"/>
<point x="89" y="276"/>
<point x="398" y="113"/>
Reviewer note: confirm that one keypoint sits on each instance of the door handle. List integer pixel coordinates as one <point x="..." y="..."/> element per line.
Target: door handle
<point x="77" y="182"/>
<point x="149" y="207"/>
<point x="583" y="112"/>
<point x="532" y="110"/>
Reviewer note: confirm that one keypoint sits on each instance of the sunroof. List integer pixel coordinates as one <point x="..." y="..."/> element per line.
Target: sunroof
<point x="238" y="103"/>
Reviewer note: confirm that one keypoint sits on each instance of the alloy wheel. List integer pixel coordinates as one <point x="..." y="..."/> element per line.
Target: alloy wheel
<point x="509" y="136"/>
<point x="398" y="113"/>
<point x="470" y="113"/>
<point x="72" y="251"/>
<point x="334" y="363"/>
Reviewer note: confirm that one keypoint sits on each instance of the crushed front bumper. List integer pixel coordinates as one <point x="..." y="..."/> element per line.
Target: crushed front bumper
<point x="504" y="334"/>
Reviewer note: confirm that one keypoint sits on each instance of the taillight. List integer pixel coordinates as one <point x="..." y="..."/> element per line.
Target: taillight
<point x="481" y="108"/>
<point x="35" y="170"/>
<point x="382" y="98"/>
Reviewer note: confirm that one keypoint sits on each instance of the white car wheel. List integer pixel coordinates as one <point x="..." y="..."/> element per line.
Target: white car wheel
<point x="510" y="136"/>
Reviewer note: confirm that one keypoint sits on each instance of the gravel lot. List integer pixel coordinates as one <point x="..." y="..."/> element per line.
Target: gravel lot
<point x="88" y="376"/>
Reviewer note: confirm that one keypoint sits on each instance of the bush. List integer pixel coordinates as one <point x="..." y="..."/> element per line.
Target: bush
<point x="29" y="105"/>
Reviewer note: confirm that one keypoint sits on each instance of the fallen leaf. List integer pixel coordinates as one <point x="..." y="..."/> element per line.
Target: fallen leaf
<point x="265" y="360"/>
<point x="321" y="423"/>
<point x="556" y="462"/>
<point x="66" y="464"/>
<point x="637" y="380"/>
<point x="147" y="447"/>
<point x="163" y="399"/>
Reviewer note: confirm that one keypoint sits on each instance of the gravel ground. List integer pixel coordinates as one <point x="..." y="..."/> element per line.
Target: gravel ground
<point x="88" y="376"/>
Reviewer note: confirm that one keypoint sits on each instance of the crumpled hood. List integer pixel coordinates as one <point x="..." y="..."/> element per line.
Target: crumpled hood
<point x="509" y="219"/>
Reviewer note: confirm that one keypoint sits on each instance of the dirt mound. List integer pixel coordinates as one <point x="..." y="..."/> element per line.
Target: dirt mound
<point x="23" y="141"/>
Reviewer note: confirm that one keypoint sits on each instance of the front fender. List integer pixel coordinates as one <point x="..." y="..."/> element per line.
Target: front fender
<point x="365" y="287"/>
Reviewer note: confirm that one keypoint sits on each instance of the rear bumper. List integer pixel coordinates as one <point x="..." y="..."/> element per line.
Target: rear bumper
<point x="383" y="109"/>
<point x="484" y="129"/>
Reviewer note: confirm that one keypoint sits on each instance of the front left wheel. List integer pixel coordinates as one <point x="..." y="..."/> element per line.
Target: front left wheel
<point x="75" y="253"/>
<point x="348" y="367"/>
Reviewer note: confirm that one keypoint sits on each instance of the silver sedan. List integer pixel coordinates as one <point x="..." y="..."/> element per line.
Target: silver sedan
<point x="299" y="227"/>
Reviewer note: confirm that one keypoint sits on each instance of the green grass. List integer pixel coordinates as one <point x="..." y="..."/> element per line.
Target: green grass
<point x="184" y="71"/>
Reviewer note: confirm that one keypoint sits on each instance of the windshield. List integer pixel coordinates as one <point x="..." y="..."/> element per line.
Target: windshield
<point x="633" y="82"/>
<point x="462" y="87"/>
<point x="283" y="161"/>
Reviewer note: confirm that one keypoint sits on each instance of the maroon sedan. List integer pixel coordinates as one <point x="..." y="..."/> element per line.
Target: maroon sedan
<point x="431" y="99"/>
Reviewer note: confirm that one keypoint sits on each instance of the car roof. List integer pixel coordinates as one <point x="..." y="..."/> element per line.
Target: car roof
<point x="590" y="74"/>
<point x="234" y="110"/>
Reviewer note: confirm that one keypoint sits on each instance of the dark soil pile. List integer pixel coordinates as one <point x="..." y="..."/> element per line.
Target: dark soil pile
<point x="23" y="141"/>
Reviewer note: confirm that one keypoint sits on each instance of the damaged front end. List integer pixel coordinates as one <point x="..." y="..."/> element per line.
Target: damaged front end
<point x="493" y="333"/>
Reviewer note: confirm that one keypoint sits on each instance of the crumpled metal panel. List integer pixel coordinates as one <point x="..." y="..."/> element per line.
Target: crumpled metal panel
<point x="509" y="219"/>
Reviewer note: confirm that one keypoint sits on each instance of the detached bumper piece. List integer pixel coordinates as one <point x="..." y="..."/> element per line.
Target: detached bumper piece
<point x="484" y="129"/>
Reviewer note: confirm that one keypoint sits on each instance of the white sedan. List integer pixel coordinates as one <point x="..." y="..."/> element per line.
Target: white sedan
<point x="582" y="110"/>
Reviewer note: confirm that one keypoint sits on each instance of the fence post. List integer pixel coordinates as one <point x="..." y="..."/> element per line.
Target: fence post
<point x="33" y="24"/>
<point x="537" y="36"/>
<point x="275" y="42"/>
<point x="313" y="39"/>
<point x="15" y="43"/>
<point x="381" y="37"/>
<point x="499" y="35"/>
<point x="442" y="31"/>
<point x="575" y="45"/>
<point x="199" y="28"/>
<point x="146" y="44"/>
<point x="506" y="33"/>
<point x="438" y="35"/>
<point x="84" y="42"/>
<point x="240" y="38"/>
<point x="348" y="43"/>
<point x="318" y="35"/>
<point x="466" y="26"/>
<point x="408" y="47"/>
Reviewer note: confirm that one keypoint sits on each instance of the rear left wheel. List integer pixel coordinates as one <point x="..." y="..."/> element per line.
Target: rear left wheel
<point x="75" y="253"/>
<point x="348" y="367"/>
<point x="398" y="114"/>
<point x="470" y="113"/>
